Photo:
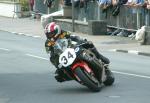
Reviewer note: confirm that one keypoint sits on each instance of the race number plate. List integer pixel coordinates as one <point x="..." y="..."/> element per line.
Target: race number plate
<point x="67" y="57"/>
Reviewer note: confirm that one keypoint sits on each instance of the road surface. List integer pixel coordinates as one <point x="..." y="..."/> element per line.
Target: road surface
<point x="26" y="76"/>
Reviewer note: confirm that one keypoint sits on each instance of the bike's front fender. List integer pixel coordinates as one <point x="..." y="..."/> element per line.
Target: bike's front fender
<point x="82" y="65"/>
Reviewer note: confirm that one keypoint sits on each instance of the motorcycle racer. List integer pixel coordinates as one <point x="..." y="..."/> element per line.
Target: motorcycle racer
<point x="53" y="33"/>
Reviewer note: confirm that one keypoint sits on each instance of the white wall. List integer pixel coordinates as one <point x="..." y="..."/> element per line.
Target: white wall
<point x="10" y="9"/>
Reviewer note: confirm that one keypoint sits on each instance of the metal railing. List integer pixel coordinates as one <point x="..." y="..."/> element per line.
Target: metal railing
<point x="128" y="18"/>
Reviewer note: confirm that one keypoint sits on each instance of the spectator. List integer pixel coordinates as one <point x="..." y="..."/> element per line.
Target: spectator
<point x="130" y="3"/>
<point x="148" y="13"/>
<point x="104" y="4"/>
<point x="48" y="3"/>
<point x="31" y="2"/>
<point x="67" y="2"/>
<point x="132" y="17"/>
<point x="135" y="3"/>
<point x="122" y="2"/>
<point x="140" y="3"/>
<point x="61" y="3"/>
<point x="148" y="4"/>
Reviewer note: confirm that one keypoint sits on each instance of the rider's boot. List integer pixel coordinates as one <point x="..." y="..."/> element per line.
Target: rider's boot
<point x="107" y="70"/>
<point x="60" y="76"/>
<point x="100" y="56"/>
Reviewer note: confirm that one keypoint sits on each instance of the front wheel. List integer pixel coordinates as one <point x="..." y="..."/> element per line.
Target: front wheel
<point x="88" y="79"/>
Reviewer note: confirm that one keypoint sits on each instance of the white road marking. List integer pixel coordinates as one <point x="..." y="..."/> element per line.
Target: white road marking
<point x="133" y="52"/>
<point x="36" y="36"/>
<point x="4" y="49"/>
<point x="114" y="96"/>
<point x="14" y="32"/>
<point x="37" y="57"/>
<point x="113" y="50"/>
<point x="28" y="35"/>
<point x="21" y="33"/>
<point x="124" y="73"/>
<point x="130" y="74"/>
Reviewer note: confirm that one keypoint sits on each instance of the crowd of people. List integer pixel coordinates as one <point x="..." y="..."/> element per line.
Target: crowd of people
<point x="142" y="6"/>
<point x="115" y="6"/>
<point x="130" y="3"/>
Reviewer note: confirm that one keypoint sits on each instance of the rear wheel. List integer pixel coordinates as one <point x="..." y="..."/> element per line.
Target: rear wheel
<point x="109" y="78"/>
<point x="88" y="79"/>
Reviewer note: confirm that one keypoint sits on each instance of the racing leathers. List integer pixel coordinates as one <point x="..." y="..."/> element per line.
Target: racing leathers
<point x="54" y="57"/>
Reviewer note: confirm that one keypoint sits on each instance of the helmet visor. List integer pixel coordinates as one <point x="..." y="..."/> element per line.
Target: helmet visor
<point x="50" y="35"/>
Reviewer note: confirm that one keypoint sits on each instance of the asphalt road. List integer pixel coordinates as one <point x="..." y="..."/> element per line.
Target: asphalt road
<point x="26" y="76"/>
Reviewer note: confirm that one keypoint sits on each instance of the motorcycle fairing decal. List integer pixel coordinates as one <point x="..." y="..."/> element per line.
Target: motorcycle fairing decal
<point x="67" y="57"/>
<point x="83" y="65"/>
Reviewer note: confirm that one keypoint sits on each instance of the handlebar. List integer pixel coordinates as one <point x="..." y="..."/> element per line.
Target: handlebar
<point x="81" y="44"/>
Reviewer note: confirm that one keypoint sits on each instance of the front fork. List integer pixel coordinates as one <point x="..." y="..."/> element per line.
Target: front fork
<point x="103" y="77"/>
<point x="101" y="71"/>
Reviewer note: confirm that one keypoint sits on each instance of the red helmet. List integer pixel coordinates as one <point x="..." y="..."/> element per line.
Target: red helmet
<point x="52" y="30"/>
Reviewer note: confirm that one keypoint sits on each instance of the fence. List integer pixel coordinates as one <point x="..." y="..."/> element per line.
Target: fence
<point x="42" y="8"/>
<point x="128" y="18"/>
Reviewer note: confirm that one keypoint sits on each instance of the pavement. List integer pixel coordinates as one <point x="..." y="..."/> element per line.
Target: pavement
<point x="33" y="27"/>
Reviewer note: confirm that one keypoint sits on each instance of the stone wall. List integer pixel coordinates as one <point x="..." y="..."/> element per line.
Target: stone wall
<point x="66" y="24"/>
<point x="92" y="27"/>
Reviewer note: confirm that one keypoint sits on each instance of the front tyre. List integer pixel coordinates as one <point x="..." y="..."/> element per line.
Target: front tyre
<point x="88" y="80"/>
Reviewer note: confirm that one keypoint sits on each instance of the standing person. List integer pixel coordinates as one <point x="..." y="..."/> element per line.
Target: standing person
<point x="104" y="4"/>
<point x="31" y="2"/>
<point x="147" y="3"/>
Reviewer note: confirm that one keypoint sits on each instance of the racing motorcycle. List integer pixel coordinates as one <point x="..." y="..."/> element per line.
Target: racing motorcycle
<point x="82" y="65"/>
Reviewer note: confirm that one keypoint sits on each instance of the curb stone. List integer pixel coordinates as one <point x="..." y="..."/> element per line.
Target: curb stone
<point x="131" y="52"/>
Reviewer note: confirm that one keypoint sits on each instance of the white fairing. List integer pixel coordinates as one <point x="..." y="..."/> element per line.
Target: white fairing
<point x="67" y="57"/>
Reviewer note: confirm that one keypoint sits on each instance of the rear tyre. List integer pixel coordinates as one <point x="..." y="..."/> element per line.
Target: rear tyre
<point x="109" y="78"/>
<point x="88" y="80"/>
